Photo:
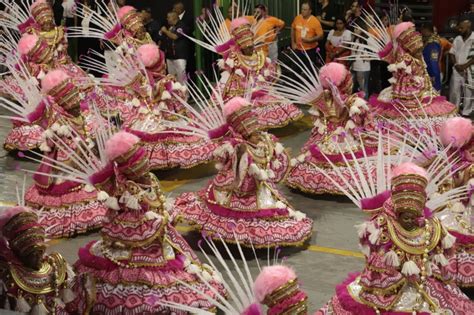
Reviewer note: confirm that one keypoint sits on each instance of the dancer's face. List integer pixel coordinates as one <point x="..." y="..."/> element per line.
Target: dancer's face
<point x="248" y="51"/>
<point x="408" y="220"/>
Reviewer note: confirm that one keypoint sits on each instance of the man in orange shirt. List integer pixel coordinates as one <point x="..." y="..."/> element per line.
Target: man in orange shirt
<point x="306" y="32"/>
<point x="268" y="28"/>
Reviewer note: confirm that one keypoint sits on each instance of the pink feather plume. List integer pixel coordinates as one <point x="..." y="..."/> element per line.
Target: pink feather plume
<point x="402" y="27"/>
<point x="332" y="72"/>
<point x="456" y="130"/>
<point x="149" y="54"/>
<point x="270" y="279"/>
<point x="119" y="144"/>
<point x="26" y="43"/>
<point x="37" y="2"/>
<point x="53" y="79"/>
<point x="124" y="10"/>
<point x="238" y="22"/>
<point x="234" y="105"/>
<point x="409" y="168"/>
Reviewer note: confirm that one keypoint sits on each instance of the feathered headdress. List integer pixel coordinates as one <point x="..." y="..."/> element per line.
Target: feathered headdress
<point x="29" y="103"/>
<point x="103" y="23"/>
<point x="18" y="16"/>
<point x="276" y="286"/>
<point x="378" y="42"/>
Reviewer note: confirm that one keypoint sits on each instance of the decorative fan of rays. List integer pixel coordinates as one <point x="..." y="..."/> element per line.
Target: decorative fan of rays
<point x="240" y="284"/>
<point x="394" y="10"/>
<point x="375" y="43"/>
<point x="103" y="20"/>
<point x="16" y="13"/>
<point x="421" y="143"/>
<point x="89" y="157"/>
<point x="302" y="85"/>
<point x="206" y="112"/>
<point x="27" y="99"/>
<point x="20" y="194"/>
<point x="119" y="67"/>
<point x="371" y="175"/>
<point x="214" y="30"/>
<point x="8" y="45"/>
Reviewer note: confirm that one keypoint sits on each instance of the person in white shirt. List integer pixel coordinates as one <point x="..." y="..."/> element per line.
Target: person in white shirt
<point x="360" y="69"/>
<point x="462" y="57"/>
<point x="335" y="40"/>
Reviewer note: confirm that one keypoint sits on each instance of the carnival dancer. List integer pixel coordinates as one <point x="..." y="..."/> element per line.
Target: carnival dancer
<point x="146" y="101"/>
<point x="242" y="199"/>
<point x="33" y="282"/>
<point x="410" y="83"/>
<point x="27" y="107"/>
<point x="456" y="144"/>
<point x="141" y="260"/>
<point x="453" y="144"/>
<point x="121" y="26"/>
<point x="245" y="70"/>
<point x="340" y="120"/>
<point x="51" y="40"/>
<point x="65" y="208"/>
<point x="407" y="249"/>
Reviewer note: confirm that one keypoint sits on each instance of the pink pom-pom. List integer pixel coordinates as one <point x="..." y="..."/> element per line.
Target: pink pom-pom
<point x="124" y="10"/>
<point x="332" y="72"/>
<point x="149" y="54"/>
<point x="402" y="27"/>
<point x="26" y="43"/>
<point x="238" y="22"/>
<point x="36" y="3"/>
<point x="409" y="169"/>
<point x="53" y="79"/>
<point x="456" y="131"/>
<point x="234" y="105"/>
<point x="10" y="213"/>
<point x="119" y="144"/>
<point x="270" y="279"/>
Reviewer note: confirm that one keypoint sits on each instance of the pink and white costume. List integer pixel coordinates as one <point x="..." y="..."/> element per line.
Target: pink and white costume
<point x="411" y="92"/>
<point x="243" y="199"/>
<point x="66" y="208"/>
<point x="140" y="261"/>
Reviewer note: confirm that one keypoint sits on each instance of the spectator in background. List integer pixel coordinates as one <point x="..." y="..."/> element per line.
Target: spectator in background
<point x="335" y="43"/>
<point x="327" y="18"/>
<point x="187" y="21"/>
<point x="462" y="57"/>
<point x="152" y="26"/>
<point x="268" y="29"/>
<point x="353" y="15"/>
<point x="58" y="11"/>
<point x="406" y="15"/>
<point x="360" y="68"/>
<point x="432" y="54"/>
<point x="185" y="16"/>
<point x="445" y="48"/>
<point x="379" y="74"/>
<point x="306" y="32"/>
<point x="70" y="20"/>
<point x="176" y="46"/>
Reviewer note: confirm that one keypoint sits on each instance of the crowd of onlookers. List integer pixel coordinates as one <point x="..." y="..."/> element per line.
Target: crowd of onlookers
<point x="321" y="33"/>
